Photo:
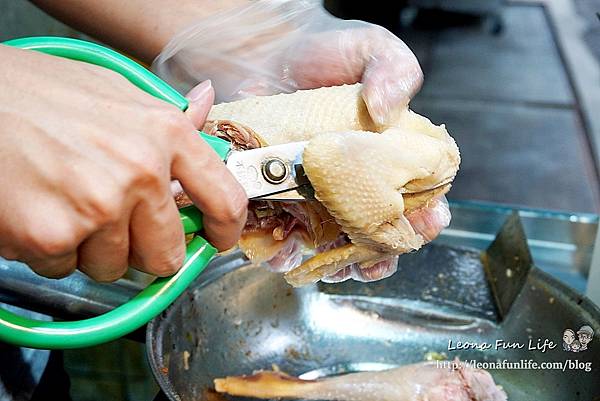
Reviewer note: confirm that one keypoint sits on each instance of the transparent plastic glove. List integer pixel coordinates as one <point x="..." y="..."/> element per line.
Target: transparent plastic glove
<point x="275" y="46"/>
<point x="270" y="47"/>
<point x="427" y="222"/>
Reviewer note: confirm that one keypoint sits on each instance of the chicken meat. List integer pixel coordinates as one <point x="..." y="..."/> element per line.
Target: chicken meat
<point x="372" y="183"/>
<point x="417" y="382"/>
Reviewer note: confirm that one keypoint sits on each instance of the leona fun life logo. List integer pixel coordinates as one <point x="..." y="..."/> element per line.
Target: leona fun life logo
<point x="577" y="341"/>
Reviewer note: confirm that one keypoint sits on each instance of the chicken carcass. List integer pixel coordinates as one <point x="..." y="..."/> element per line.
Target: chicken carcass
<point x="372" y="182"/>
<point x="417" y="382"/>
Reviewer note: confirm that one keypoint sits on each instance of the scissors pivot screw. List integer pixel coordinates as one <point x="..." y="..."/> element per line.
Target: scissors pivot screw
<point x="275" y="170"/>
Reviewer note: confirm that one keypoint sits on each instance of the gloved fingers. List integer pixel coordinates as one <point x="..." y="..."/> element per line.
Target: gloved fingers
<point x="327" y="59"/>
<point x="342" y="275"/>
<point x="378" y="271"/>
<point x="431" y="220"/>
<point x="355" y="52"/>
<point x="288" y="257"/>
<point x="427" y="222"/>
<point x="392" y="76"/>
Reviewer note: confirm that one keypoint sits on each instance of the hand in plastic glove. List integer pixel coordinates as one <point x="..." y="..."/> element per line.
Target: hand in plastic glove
<point x="428" y="222"/>
<point x="85" y="171"/>
<point x="271" y="47"/>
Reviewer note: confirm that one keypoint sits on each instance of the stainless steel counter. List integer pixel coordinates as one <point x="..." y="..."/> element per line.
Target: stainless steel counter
<point x="561" y="243"/>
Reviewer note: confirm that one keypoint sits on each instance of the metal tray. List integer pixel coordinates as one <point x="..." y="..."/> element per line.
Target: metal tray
<point x="241" y="318"/>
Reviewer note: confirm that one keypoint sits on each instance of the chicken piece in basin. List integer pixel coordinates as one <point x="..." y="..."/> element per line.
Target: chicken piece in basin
<point x="379" y="189"/>
<point x="425" y="381"/>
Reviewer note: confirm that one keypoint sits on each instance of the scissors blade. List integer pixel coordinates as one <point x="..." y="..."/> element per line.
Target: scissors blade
<point x="272" y="173"/>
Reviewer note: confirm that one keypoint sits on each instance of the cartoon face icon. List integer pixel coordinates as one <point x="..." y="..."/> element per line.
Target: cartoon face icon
<point x="568" y="336"/>
<point x="585" y="335"/>
<point x="575" y="346"/>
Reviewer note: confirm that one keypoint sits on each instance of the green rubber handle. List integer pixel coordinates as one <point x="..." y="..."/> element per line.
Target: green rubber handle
<point x="93" y="53"/>
<point x="124" y="319"/>
<point x="159" y="294"/>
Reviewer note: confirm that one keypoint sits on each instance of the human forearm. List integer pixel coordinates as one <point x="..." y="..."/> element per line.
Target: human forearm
<point x="279" y="46"/>
<point x="139" y="27"/>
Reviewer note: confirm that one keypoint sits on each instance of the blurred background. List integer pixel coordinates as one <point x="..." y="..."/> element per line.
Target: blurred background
<point x="509" y="80"/>
<point x="515" y="82"/>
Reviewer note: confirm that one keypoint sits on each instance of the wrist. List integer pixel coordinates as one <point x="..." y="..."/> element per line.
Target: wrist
<point x="187" y="13"/>
<point x="140" y="28"/>
<point x="264" y="18"/>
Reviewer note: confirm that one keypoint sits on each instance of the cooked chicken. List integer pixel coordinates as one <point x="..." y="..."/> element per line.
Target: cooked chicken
<point x="418" y="382"/>
<point x="369" y="180"/>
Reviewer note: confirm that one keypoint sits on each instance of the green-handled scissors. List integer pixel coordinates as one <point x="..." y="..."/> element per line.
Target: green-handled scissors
<point x="269" y="173"/>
